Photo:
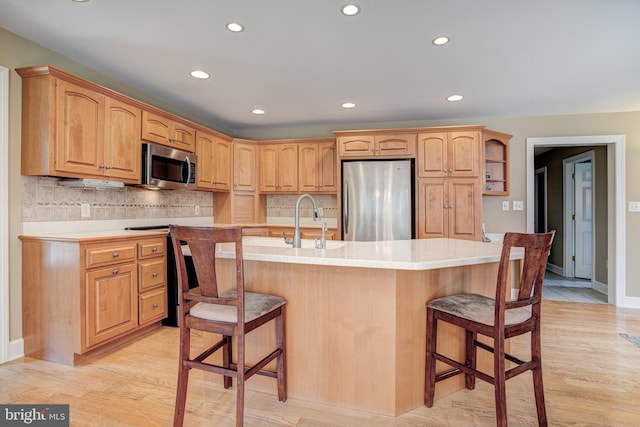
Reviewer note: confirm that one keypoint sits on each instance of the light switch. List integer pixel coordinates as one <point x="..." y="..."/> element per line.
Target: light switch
<point x="634" y="206"/>
<point x="505" y="205"/>
<point x="518" y="205"/>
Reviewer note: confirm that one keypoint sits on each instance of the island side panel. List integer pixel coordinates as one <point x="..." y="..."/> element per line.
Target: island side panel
<point x="50" y="297"/>
<point x="340" y="332"/>
<point x="414" y="290"/>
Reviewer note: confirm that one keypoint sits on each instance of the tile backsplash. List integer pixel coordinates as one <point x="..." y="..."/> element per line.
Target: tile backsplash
<point x="44" y="199"/>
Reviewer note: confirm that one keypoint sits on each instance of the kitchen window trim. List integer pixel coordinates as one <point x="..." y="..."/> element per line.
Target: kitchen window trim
<point x="4" y="214"/>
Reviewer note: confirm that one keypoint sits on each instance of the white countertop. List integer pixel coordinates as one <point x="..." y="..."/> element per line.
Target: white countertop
<point x="423" y="254"/>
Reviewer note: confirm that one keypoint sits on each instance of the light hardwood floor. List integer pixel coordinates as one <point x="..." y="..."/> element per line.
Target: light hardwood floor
<point x="591" y="374"/>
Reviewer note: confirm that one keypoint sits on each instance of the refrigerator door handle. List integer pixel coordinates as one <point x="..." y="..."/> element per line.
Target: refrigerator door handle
<point x="345" y="204"/>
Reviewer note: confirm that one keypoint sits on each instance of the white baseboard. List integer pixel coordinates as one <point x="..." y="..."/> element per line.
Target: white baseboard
<point x="631" y="302"/>
<point x="555" y="269"/>
<point x="16" y="349"/>
<point x="600" y="287"/>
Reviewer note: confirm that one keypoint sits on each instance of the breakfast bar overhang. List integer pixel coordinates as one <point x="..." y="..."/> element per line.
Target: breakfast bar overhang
<point x="356" y="314"/>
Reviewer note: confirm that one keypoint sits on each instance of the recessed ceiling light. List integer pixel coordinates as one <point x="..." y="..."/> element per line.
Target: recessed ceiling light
<point x="235" y="27"/>
<point x="351" y="9"/>
<point x="348" y="105"/>
<point x="440" y="41"/>
<point x="199" y="74"/>
<point x="454" y="98"/>
<point x="258" y="111"/>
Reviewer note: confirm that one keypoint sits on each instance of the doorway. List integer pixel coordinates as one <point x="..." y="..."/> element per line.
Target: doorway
<point x="540" y="197"/>
<point x="4" y="214"/>
<point x="616" y="247"/>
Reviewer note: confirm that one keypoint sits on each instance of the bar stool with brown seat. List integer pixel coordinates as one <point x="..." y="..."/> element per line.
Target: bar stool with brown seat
<point x="228" y="313"/>
<point x="498" y="319"/>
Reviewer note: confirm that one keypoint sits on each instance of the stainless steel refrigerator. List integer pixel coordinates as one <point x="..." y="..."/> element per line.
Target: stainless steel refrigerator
<point x="377" y="200"/>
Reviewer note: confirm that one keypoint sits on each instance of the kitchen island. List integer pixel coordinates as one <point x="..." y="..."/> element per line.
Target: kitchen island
<point x="356" y="314"/>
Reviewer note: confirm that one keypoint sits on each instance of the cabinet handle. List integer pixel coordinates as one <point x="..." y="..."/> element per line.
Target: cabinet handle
<point x="108" y="167"/>
<point x="101" y="166"/>
<point x="154" y="306"/>
<point x="114" y="271"/>
<point x="116" y="254"/>
<point x="154" y="249"/>
<point x="154" y="274"/>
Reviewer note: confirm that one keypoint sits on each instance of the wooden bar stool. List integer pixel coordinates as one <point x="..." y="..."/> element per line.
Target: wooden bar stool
<point x="498" y="319"/>
<point x="229" y="313"/>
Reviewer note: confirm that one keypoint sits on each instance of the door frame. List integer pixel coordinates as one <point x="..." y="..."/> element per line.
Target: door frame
<point x="540" y="171"/>
<point x="616" y="245"/>
<point x="4" y="214"/>
<point x="568" y="166"/>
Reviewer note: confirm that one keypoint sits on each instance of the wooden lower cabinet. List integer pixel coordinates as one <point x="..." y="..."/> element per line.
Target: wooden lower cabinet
<point x="82" y="295"/>
<point x="449" y="208"/>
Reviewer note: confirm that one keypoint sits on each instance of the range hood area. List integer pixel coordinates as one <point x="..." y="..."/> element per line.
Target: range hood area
<point x="95" y="184"/>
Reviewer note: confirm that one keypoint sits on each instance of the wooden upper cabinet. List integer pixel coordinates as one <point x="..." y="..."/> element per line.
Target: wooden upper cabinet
<point x="214" y="162"/>
<point x="390" y="145"/>
<point x="80" y="129"/>
<point x="165" y="131"/>
<point x="278" y="168"/>
<point x="449" y="154"/>
<point x="317" y="167"/>
<point x="244" y="166"/>
<point x="122" y="141"/>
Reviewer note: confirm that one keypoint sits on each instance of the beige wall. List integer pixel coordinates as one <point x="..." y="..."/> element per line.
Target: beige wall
<point x="17" y="52"/>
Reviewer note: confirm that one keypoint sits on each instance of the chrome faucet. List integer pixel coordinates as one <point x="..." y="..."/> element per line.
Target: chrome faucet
<point x="296" y="232"/>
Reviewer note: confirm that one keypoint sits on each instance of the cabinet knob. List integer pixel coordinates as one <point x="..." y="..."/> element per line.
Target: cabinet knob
<point x="154" y="306"/>
<point x="108" y="167"/>
<point x="114" y="271"/>
<point x="154" y="249"/>
<point x="101" y="166"/>
<point x="116" y="254"/>
<point x="154" y="274"/>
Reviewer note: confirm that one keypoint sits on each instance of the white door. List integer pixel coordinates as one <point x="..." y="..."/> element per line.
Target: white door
<point x="583" y="220"/>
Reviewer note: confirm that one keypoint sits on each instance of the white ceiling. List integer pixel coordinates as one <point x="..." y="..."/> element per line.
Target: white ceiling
<point x="300" y="59"/>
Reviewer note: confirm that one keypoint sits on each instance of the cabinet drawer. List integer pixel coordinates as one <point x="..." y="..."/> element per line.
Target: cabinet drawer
<point x="97" y="256"/>
<point x="151" y="274"/>
<point x="151" y="248"/>
<point x="152" y="305"/>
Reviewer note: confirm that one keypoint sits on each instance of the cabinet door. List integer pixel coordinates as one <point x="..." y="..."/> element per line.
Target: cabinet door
<point x="205" y="166"/>
<point x="327" y="170"/>
<point x="221" y="164"/>
<point x="122" y="141"/>
<point x="308" y="172"/>
<point x="287" y="169"/>
<point x="395" y="145"/>
<point x="111" y="303"/>
<point x="155" y="128"/>
<point x="464" y="154"/>
<point x="268" y="168"/>
<point x="432" y="155"/>
<point x="464" y="204"/>
<point x="433" y="213"/>
<point x="79" y="129"/>
<point x="356" y="146"/>
<point x="244" y="167"/>
<point x="182" y="136"/>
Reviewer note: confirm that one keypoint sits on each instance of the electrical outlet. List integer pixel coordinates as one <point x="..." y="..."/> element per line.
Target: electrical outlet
<point x="505" y="205"/>
<point x="518" y="205"/>
<point x="85" y="210"/>
<point x="634" y="206"/>
<point x="321" y="211"/>
<point x="197" y="210"/>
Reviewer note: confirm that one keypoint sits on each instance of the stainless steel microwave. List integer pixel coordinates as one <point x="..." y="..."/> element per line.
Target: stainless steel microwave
<point x="167" y="168"/>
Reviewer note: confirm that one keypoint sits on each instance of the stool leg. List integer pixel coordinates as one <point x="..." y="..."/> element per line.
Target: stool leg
<point x="538" y="389"/>
<point x="281" y="366"/>
<point x="183" y="377"/>
<point x="471" y="352"/>
<point x="240" y="383"/>
<point x="430" y="361"/>
<point x="226" y="359"/>
<point x="500" y="379"/>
